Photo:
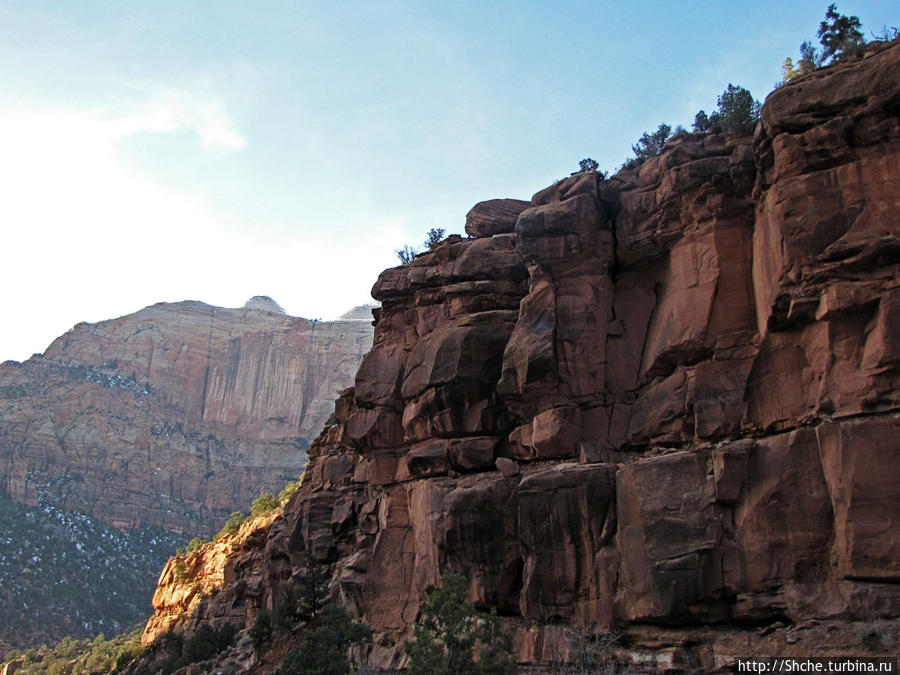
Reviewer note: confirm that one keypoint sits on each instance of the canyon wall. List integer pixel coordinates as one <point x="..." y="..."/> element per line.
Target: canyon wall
<point x="175" y="415"/>
<point x="662" y="406"/>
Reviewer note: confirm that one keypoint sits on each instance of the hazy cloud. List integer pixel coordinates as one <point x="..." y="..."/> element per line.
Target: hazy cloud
<point x="174" y="111"/>
<point x="84" y="232"/>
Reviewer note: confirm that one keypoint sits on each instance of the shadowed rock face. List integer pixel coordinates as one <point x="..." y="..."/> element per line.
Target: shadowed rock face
<point x="663" y="399"/>
<point x="174" y="416"/>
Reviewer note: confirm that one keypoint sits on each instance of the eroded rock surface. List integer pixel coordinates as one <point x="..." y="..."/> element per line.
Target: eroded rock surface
<point x="664" y="404"/>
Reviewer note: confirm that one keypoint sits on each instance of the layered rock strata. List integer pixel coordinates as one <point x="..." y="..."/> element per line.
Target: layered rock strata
<point x="663" y="406"/>
<point x="174" y="416"/>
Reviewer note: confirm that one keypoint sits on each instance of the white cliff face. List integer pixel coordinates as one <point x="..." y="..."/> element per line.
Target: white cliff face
<point x="264" y="303"/>
<point x="359" y="313"/>
<point x="175" y="415"/>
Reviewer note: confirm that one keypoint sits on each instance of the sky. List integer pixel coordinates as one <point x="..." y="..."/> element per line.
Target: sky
<point x="166" y="151"/>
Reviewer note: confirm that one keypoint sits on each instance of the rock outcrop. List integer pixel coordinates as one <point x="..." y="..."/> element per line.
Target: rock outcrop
<point x="174" y="416"/>
<point x="662" y="406"/>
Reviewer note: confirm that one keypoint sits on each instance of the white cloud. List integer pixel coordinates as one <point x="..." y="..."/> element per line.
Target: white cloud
<point x="172" y="111"/>
<point x="319" y="275"/>
<point x="86" y="237"/>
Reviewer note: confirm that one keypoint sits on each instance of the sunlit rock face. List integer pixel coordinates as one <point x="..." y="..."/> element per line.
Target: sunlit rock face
<point x="663" y="404"/>
<point x="174" y="416"/>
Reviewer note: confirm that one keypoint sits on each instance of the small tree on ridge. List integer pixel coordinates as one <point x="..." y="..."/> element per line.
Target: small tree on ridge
<point x="435" y="236"/>
<point x="840" y="36"/>
<point x="738" y="112"/>
<point x="647" y="146"/>
<point x="406" y="255"/>
<point x="701" y="121"/>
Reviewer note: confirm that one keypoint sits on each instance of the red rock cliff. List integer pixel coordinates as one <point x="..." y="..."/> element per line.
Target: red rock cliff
<point x="176" y="415"/>
<point x="664" y="404"/>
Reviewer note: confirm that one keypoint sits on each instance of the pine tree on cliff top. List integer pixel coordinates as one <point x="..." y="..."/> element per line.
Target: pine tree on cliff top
<point x="840" y="35"/>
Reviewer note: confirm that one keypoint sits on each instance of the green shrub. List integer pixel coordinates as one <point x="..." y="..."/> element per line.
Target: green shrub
<point x="265" y="503"/>
<point x="129" y="652"/>
<point x="302" y="596"/>
<point x="231" y="526"/>
<point x="206" y="642"/>
<point x="169" y="644"/>
<point x="841" y="38"/>
<point x="738" y="113"/>
<point x="287" y="610"/>
<point x="70" y="656"/>
<point x="406" y="255"/>
<point x="312" y="587"/>
<point x="647" y="146"/>
<point x="324" y="648"/>
<point x="435" y="236"/>
<point x="261" y="631"/>
<point x="810" y="58"/>
<point x="179" y="569"/>
<point x="100" y="659"/>
<point x="171" y="651"/>
<point x="288" y="490"/>
<point x="195" y="544"/>
<point x="450" y="630"/>
<point x="701" y="121"/>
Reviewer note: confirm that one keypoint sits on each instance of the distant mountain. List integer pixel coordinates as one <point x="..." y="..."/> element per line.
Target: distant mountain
<point x="359" y="313"/>
<point x="164" y="421"/>
<point x="175" y="415"/>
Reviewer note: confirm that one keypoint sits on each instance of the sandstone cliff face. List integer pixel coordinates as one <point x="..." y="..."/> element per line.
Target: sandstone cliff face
<point x="665" y="404"/>
<point x="176" y="415"/>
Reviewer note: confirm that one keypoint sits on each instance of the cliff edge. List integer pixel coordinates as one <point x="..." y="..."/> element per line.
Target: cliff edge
<point x="662" y="406"/>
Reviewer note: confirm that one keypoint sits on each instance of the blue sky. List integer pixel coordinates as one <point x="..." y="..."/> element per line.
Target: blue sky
<point x="161" y="151"/>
